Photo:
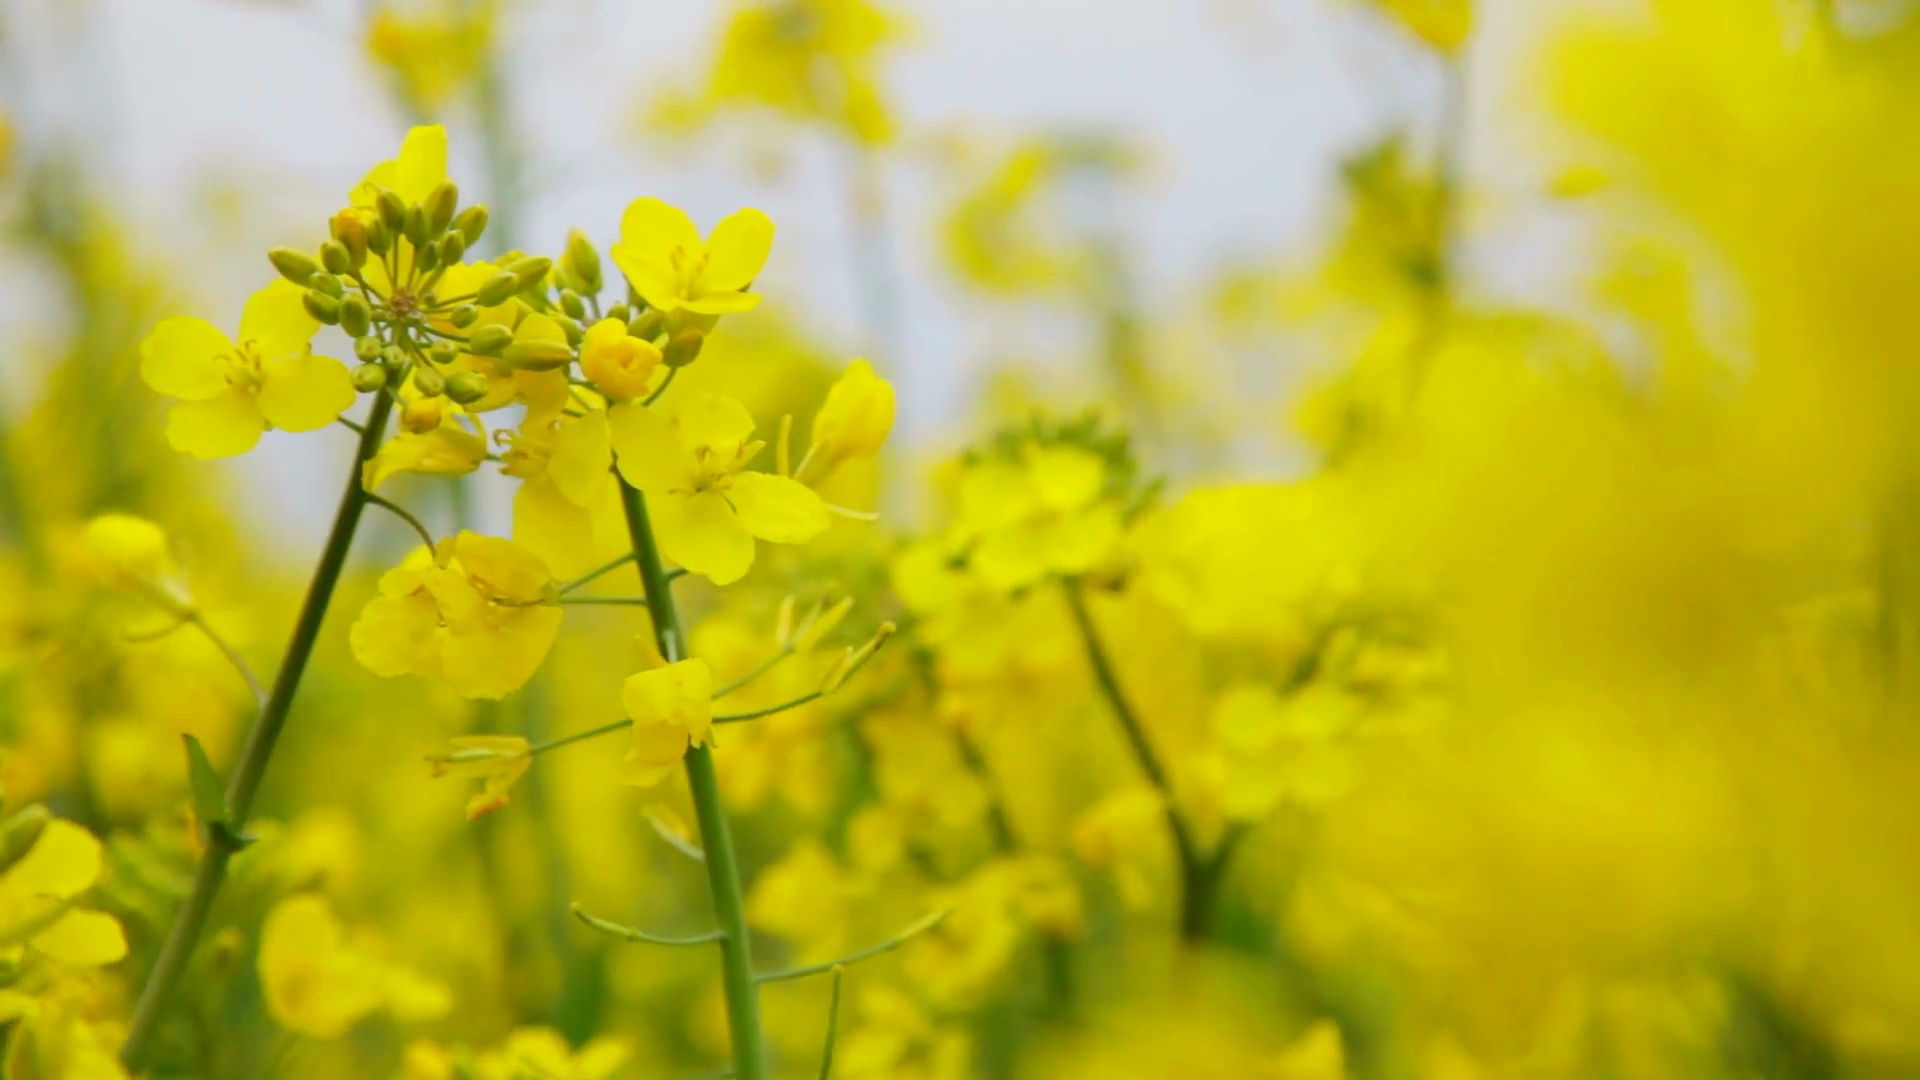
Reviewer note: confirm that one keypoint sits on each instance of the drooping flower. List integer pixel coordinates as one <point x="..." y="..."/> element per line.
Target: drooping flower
<point x="475" y="613"/>
<point x="498" y="761"/>
<point x="672" y="709"/>
<point x="230" y="392"/>
<point x="689" y="456"/>
<point x="666" y="262"/>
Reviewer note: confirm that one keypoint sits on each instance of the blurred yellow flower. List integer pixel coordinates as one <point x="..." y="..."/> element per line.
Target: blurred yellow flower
<point x="497" y="760"/>
<point x="1443" y="24"/>
<point x="232" y="392"/>
<point x="855" y="419"/>
<point x="1044" y="513"/>
<point x="321" y="981"/>
<point x="38" y="893"/>
<point x="125" y="551"/>
<point x="665" y="261"/>
<point x="672" y="709"/>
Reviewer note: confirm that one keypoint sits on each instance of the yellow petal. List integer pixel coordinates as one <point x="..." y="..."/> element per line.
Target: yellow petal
<point x="398" y="635"/>
<point x="703" y="535"/>
<point x="422" y="164"/>
<point x="712" y="421"/>
<point x="83" y="938"/>
<point x="502" y="568"/>
<point x="679" y="693"/>
<point x="183" y="358"/>
<point x="857" y="416"/>
<point x="722" y="303"/>
<point x="1065" y="477"/>
<point x="582" y="454"/>
<point x="650" y="232"/>
<point x="275" y="322"/>
<point x="656" y="750"/>
<point x="63" y="862"/>
<point x="776" y="508"/>
<point x="305" y="392"/>
<point x="649" y="449"/>
<point x="492" y="658"/>
<point x="553" y="527"/>
<point x="737" y="250"/>
<point x="218" y="427"/>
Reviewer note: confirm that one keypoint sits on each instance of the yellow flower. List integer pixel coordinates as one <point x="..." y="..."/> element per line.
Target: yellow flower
<point x="689" y="457"/>
<point x="812" y="59"/>
<point x="476" y="613"/>
<point x="1045" y="514"/>
<point x="855" y="419"/>
<point x="621" y="366"/>
<point x="124" y="551"/>
<point x="666" y="263"/>
<point x="431" y="53"/>
<point x="420" y="167"/>
<point x="543" y="1052"/>
<point x="567" y="510"/>
<point x="436" y="438"/>
<point x="319" y="980"/>
<point x="1443" y="24"/>
<point x="37" y="895"/>
<point x="55" y="1037"/>
<point x="672" y="709"/>
<point x="231" y="392"/>
<point x="497" y="760"/>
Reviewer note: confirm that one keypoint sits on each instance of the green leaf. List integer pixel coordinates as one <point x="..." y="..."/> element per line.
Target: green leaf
<point x="209" y="798"/>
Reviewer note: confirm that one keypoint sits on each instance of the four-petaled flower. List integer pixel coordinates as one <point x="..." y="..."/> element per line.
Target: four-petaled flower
<point x="672" y="709"/>
<point x="666" y="263"/>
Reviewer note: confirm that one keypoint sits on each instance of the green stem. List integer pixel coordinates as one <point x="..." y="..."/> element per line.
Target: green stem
<point x="223" y="843"/>
<point x="723" y="871"/>
<point x="1199" y="875"/>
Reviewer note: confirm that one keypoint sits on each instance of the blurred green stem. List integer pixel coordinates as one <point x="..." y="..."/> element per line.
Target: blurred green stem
<point x="225" y="840"/>
<point x="723" y="871"/>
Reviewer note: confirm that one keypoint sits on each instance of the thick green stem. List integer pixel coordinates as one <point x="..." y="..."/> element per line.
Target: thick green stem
<point x="723" y="871"/>
<point x="1200" y="873"/>
<point x="223" y="842"/>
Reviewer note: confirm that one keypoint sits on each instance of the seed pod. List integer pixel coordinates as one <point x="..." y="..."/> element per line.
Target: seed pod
<point x="490" y="340"/>
<point x="441" y="202"/>
<point x="471" y="223"/>
<point x="683" y="347"/>
<point x="583" y="261"/>
<point x="321" y="306"/>
<point x="497" y="289"/>
<point x="647" y="325"/>
<point x="452" y="249"/>
<point x="393" y="209"/>
<point x="467" y="387"/>
<point x="295" y="266"/>
<point x="327" y="284"/>
<point x="429" y="381"/>
<point x="368" y="378"/>
<point x="537" y="354"/>
<point x="333" y="256"/>
<point x="356" y="316"/>
<point x="464" y="316"/>
<point x="368" y="349"/>
<point x="414" y="226"/>
<point x="571" y="303"/>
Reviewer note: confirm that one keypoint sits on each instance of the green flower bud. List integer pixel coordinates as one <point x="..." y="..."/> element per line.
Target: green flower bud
<point x="443" y="352"/>
<point x="471" y="223"/>
<point x="379" y="237"/>
<point x="531" y="271"/>
<point x="327" y="284"/>
<point x="321" y="306"/>
<point x="683" y="347"/>
<point x="369" y="349"/>
<point x="356" y="316"/>
<point x="467" y="387"/>
<point x="333" y="256"/>
<point x="464" y="316"/>
<point x="429" y="381"/>
<point x="395" y="359"/>
<point x="583" y="262"/>
<point x="414" y="226"/>
<point x="393" y="209"/>
<point x="21" y="831"/>
<point x="497" y="289"/>
<point x="368" y="378"/>
<point x="538" y="354"/>
<point x="571" y="303"/>
<point x="295" y="266"/>
<point x="647" y="325"/>
<point x="621" y="312"/>
<point x="426" y="257"/>
<point x="490" y="340"/>
<point x="350" y="231"/>
<point x="452" y="249"/>
<point x="441" y="202"/>
<point x="575" y="335"/>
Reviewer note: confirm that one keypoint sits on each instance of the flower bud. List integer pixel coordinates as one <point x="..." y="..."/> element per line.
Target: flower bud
<point x="422" y="416"/>
<point x="425" y="258"/>
<point x="571" y="303"/>
<point x="394" y="358"/>
<point x="392" y="208"/>
<point x="683" y="348"/>
<point x="429" y="381"/>
<point x="452" y="249"/>
<point x="441" y="202"/>
<point x="414" y="226"/>
<point x="583" y="262"/>
<point x="572" y="329"/>
<point x="295" y="266"/>
<point x="467" y="387"/>
<point x="379" y="237"/>
<point x="497" y="289"/>
<point x="855" y="659"/>
<point x="855" y="419"/>
<point x="621" y="312"/>
<point x="321" y="306"/>
<point x="368" y="349"/>
<point x="356" y="316"/>
<point x="349" y="230"/>
<point x="647" y="325"/>
<point x="328" y="284"/>
<point x="333" y="256"/>
<point x="369" y="378"/>
<point x="819" y="623"/>
<point x="443" y="352"/>
<point x="532" y="270"/>
<point x="491" y="340"/>
<point x="471" y="223"/>
<point x="537" y="354"/>
<point x="620" y="366"/>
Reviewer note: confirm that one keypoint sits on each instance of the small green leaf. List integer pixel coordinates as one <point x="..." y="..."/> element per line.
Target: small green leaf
<point x="209" y="799"/>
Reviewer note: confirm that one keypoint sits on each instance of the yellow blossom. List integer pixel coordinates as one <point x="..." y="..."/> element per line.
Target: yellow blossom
<point x="37" y="896"/>
<point x="567" y="510"/>
<point x="436" y="438"/>
<point x="127" y="551"/>
<point x="672" y="709"/>
<point x="665" y="261"/>
<point x="855" y="419"/>
<point x="497" y="760"/>
<point x="230" y="392"/>
<point x="320" y="980"/>
<point x="475" y="613"/>
<point x="543" y="1052"/>
<point x="620" y="365"/>
<point x="1046" y="513"/>
<point x="689" y="456"/>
